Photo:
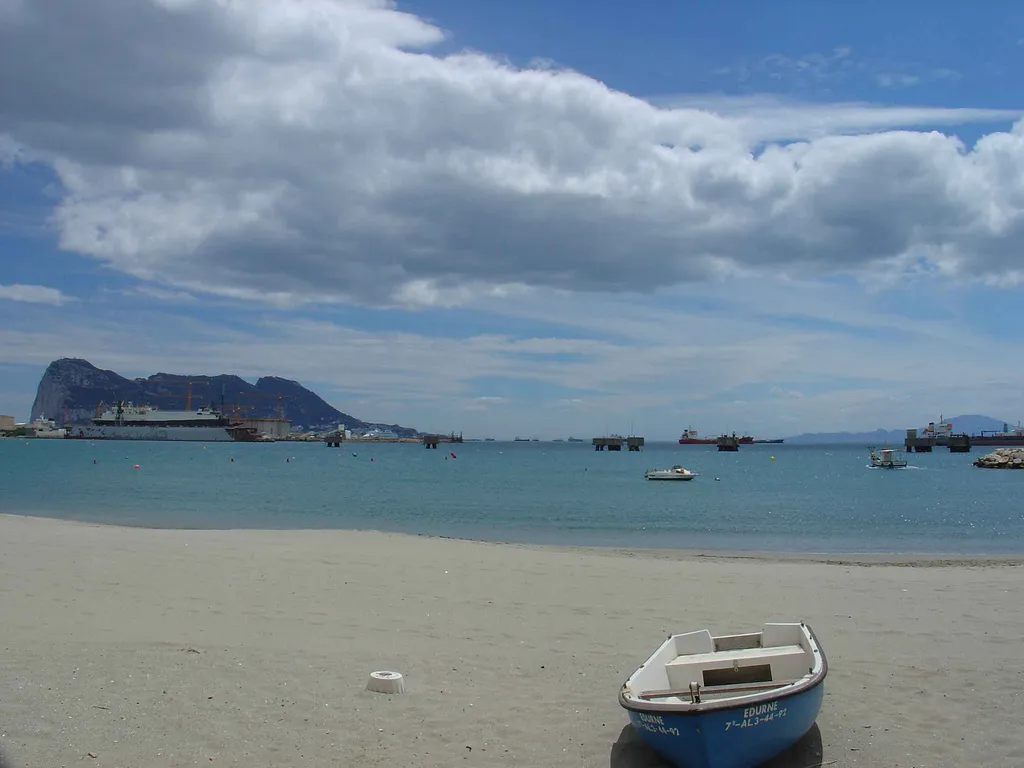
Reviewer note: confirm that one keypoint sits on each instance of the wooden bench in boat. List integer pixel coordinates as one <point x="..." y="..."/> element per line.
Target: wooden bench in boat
<point x="786" y="662"/>
<point x="717" y="689"/>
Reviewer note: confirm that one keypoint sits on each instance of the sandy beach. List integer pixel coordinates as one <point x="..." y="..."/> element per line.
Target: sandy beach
<point x="137" y="647"/>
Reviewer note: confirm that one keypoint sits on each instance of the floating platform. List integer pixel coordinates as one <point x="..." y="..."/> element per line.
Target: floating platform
<point x="432" y="441"/>
<point x="729" y="443"/>
<point x="958" y="443"/>
<point x="613" y="443"/>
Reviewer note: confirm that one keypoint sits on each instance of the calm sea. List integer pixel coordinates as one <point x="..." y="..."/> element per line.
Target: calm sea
<point x="807" y="499"/>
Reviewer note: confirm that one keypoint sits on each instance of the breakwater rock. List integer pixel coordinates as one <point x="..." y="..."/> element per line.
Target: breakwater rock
<point x="1002" y="458"/>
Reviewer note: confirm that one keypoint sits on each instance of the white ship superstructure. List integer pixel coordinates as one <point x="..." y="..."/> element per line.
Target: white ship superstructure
<point x="940" y="431"/>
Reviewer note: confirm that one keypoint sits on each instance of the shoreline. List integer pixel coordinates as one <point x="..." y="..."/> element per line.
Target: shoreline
<point x="858" y="559"/>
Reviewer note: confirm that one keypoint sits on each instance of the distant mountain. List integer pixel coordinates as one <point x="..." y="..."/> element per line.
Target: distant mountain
<point x="971" y="424"/>
<point x="71" y="389"/>
<point x="878" y="436"/>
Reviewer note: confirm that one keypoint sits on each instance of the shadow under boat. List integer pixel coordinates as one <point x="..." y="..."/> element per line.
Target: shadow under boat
<point x="629" y="751"/>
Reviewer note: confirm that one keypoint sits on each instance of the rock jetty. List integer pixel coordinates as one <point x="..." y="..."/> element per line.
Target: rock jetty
<point x="1002" y="458"/>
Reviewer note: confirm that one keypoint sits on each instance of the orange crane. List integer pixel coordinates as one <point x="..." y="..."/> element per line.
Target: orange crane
<point x="280" y="400"/>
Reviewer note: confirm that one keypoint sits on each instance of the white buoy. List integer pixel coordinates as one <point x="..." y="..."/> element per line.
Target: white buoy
<point x="386" y="682"/>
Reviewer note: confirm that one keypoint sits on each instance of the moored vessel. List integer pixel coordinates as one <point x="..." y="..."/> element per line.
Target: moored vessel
<point x="690" y="437"/>
<point x="44" y="428"/>
<point x="676" y="472"/>
<point x="1010" y="436"/>
<point x="939" y="431"/>
<point x="126" y="421"/>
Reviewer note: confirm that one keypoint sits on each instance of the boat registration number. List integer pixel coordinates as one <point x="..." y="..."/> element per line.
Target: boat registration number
<point x="753" y="716"/>
<point x="656" y="724"/>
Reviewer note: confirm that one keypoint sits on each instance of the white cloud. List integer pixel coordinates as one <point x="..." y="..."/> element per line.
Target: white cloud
<point x="770" y="117"/>
<point x="160" y="294"/>
<point x="292" y="152"/>
<point x="33" y="294"/>
<point x="719" y="357"/>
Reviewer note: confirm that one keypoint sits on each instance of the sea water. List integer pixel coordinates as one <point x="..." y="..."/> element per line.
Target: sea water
<point x="776" y="498"/>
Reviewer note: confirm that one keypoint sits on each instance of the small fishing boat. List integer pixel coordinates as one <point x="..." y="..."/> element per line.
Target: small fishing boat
<point x="887" y="458"/>
<point x="732" y="701"/>
<point x="675" y="473"/>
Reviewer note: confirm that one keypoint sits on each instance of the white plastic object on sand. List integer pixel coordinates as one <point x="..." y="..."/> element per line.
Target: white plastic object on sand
<point x="386" y="682"/>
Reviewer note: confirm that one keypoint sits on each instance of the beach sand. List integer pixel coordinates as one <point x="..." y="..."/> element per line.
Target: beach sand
<point x="135" y="647"/>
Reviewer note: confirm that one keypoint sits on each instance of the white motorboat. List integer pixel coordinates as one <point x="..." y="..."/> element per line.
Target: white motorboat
<point x="887" y="458"/>
<point x="675" y="473"/>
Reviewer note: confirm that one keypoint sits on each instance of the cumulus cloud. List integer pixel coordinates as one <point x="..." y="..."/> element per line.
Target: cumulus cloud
<point x="33" y="294"/>
<point x="319" y="151"/>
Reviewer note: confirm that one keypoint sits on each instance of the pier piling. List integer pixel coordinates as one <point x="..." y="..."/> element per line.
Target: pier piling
<point x="918" y="444"/>
<point x="432" y="441"/>
<point x="960" y="443"/>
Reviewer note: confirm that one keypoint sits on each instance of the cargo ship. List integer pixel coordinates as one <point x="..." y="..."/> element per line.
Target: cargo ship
<point x="1008" y="437"/>
<point x="690" y="437"/>
<point x="126" y="421"/>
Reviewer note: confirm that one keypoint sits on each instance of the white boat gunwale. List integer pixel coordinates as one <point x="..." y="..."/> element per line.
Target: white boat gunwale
<point x="760" y="693"/>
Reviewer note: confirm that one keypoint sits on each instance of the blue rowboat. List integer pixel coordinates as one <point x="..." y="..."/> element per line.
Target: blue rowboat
<point x="732" y="701"/>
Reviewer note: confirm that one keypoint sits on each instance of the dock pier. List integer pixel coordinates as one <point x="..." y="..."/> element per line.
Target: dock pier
<point x="728" y="443"/>
<point x="634" y="443"/>
<point x="334" y="440"/>
<point x="958" y="443"/>
<point x="432" y="441"/>
<point x="918" y="444"/>
<point x="613" y="443"/>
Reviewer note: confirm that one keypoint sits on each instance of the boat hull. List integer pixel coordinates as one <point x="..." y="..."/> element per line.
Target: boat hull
<point x="1005" y="441"/>
<point x="745" y="440"/>
<point x="186" y="434"/>
<point x="743" y="736"/>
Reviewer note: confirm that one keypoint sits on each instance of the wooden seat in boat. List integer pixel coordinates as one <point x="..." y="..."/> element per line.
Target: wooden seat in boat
<point x="785" y="661"/>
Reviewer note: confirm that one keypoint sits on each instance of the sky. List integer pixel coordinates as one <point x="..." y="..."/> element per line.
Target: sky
<point x="534" y="219"/>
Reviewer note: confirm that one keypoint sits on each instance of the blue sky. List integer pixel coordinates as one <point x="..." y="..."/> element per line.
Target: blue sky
<point x="526" y="218"/>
